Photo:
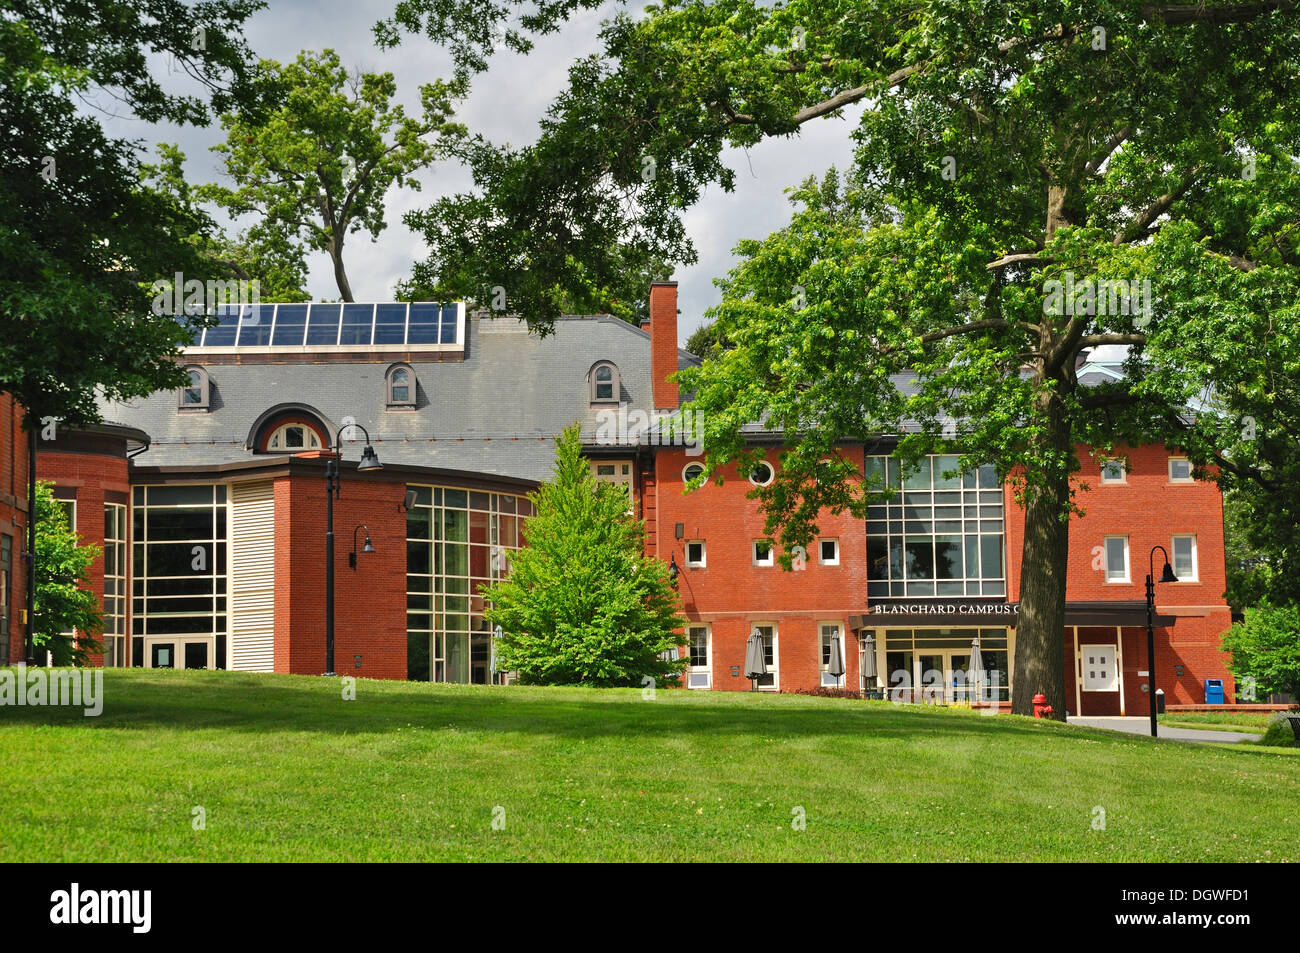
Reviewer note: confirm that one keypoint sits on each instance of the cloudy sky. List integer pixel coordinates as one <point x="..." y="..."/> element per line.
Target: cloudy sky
<point x="505" y="106"/>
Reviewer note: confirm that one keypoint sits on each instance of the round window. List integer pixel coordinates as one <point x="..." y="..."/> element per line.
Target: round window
<point x="762" y="474"/>
<point x="692" y="471"/>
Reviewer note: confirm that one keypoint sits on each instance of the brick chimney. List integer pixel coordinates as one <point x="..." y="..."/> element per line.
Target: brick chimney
<point x="663" y="343"/>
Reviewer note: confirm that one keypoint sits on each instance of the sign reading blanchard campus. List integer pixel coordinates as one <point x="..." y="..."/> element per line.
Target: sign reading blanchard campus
<point x="945" y="608"/>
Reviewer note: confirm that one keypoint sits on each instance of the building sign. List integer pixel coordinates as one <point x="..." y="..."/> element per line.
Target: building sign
<point x="945" y="608"/>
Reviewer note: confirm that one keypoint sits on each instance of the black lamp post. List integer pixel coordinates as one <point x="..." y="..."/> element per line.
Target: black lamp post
<point x="333" y="482"/>
<point x="1166" y="576"/>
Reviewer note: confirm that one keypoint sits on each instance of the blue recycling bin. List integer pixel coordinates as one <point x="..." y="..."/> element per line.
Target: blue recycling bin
<point x="1214" y="691"/>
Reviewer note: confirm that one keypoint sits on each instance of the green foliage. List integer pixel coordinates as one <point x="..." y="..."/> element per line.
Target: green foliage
<point x="79" y="230"/>
<point x="582" y="603"/>
<point x="708" y="340"/>
<point x="64" y="601"/>
<point x="261" y="253"/>
<point x="1279" y="733"/>
<point x="1266" y="645"/>
<point x="1000" y="148"/>
<point x="316" y="163"/>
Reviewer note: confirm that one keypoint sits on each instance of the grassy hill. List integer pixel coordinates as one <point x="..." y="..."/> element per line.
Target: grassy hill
<point x="284" y="769"/>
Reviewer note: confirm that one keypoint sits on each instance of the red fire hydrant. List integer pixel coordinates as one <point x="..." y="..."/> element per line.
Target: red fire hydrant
<point x="1041" y="708"/>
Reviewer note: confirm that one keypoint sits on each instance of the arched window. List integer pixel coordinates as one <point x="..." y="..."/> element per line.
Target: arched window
<point x="604" y="383"/>
<point x="194" y="395"/>
<point x="293" y="437"/>
<point x="400" y="386"/>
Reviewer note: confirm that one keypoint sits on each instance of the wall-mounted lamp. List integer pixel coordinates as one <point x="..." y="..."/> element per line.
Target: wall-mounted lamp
<point x="673" y="570"/>
<point x="367" y="547"/>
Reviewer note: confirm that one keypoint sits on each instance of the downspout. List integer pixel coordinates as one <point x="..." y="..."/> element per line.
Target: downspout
<point x="30" y="555"/>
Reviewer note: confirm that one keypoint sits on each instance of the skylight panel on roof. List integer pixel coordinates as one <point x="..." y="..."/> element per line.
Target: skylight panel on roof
<point x="323" y="324"/>
<point x="381" y="326"/>
<point x="290" y="325"/>
<point x="390" y="324"/>
<point x="423" y="327"/>
<point x="358" y="324"/>
<point x="255" y="325"/>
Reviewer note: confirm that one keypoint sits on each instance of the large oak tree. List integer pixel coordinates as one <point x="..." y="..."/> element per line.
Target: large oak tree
<point x="1001" y="147"/>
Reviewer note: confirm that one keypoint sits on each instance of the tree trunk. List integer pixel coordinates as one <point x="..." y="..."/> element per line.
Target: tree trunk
<point x="1040" y="632"/>
<point x="340" y="276"/>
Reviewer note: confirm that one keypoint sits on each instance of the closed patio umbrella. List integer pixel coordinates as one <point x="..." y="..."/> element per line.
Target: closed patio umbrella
<point x="869" y="659"/>
<point x="836" y="666"/>
<point x="976" y="670"/>
<point x="755" y="660"/>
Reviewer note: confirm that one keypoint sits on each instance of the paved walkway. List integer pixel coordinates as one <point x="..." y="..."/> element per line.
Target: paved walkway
<point x="1142" y="726"/>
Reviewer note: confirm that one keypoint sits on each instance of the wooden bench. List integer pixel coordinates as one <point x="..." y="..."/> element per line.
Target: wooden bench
<point x="1295" y="724"/>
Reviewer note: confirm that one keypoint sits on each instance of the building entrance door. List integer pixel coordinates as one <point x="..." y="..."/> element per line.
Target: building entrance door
<point x="180" y="653"/>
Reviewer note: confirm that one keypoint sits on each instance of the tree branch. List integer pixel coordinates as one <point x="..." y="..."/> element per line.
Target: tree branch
<point x="1142" y="223"/>
<point x="1113" y="143"/>
<point x="1030" y="258"/>
<point x="1099" y="340"/>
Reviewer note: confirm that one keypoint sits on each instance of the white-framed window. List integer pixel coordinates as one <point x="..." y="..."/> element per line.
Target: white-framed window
<point x="828" y="552"/>
<point x="1117" y="559"/>
<point x="1114" y="471"/>
<point x="771" y="682"/>
<point x="830" y="631"/>
<point x="699" y="640"/>
<point x="695" y="555"/>
<point x="615" y="471"/>
<point x="762" y="474"/>
<point x="114" y="638"/>
<point x="293" y="437"/>
<point x="691" y="471"/>
<point x="1180" y="470"/>
<point x="195" y="395"/>
<point x="400" y="387"/>
<point x="1183" y="557"/>
<point x="764" y="553"/>
<point x="604" y="383"/>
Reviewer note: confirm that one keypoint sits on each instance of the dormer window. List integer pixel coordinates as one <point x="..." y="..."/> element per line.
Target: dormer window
<point x="604" y="383"/>
<point x="400" y="387"/>
<point x="293" y="437"/>
<point x="194" y="395"/>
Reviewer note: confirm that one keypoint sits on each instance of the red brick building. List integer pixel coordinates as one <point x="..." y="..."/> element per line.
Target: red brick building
<point x="13" y="529"/>
<point x="222" y="490"/>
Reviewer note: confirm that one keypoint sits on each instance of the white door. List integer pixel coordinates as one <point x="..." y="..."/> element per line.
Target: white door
<point x="1099" y="674"/>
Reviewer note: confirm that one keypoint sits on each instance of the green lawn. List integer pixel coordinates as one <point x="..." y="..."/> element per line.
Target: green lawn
<point x="1255" y="722"/>
<point x="286" y="770"/>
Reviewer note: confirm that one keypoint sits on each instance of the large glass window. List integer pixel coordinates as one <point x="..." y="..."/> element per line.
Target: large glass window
<point x="179" y="585"/>
<point x="932" y="666"/>
<point x="940" y="534"/>
<point x="457" y="541"/>
<point x="115" y="596"/>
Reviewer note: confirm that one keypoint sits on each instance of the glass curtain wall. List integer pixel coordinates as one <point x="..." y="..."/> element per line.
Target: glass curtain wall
<point x="457" y="541"/>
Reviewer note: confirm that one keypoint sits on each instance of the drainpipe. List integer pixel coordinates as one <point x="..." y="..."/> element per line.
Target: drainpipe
<point x="30" y="556"/>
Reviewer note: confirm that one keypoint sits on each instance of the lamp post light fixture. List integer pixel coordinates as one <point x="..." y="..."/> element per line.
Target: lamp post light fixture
<point x="673" y="570"/>
<point x="333" y="483"/>
<point x="367" y="547"/>
<point x="1166" y="576"/>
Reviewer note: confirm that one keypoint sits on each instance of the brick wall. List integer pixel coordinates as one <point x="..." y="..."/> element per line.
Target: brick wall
<point x="369" y="602"/>
<point x="13" y="516"/>
<point x="92" y="472"/>
<point x="1149" y="509"/>
<point x="732" y="594"/>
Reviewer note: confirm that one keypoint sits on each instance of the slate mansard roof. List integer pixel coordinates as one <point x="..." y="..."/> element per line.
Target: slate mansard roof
<point x="496" y="412"/>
